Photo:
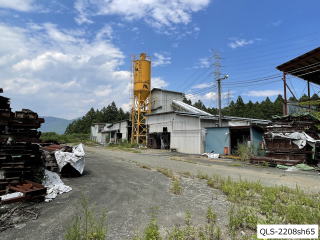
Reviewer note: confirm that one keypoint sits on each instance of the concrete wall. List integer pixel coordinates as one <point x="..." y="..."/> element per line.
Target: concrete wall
<point x="121" y="127"/>
<point x="96" y="135"/>
<point x="161" y="101"/>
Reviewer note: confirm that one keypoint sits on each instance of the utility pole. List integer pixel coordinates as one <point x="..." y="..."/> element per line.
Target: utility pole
<point x="217" y="76"/>
<point x="218" y="79"/>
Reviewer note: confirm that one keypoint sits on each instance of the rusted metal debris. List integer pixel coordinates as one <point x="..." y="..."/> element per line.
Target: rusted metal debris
<point x="29" y="191"/>
<point x="282" y="149"/>
<point x="20" y="157"/>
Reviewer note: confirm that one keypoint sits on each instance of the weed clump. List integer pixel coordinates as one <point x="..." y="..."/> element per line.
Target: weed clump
<point x="176" y="187"/>
<point x="87" y="225"/>
<point x="244" y="151"/>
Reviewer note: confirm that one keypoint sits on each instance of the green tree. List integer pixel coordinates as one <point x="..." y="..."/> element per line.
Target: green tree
<point x="106" y="115"/>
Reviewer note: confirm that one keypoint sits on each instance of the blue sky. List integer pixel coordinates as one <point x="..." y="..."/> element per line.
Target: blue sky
<point x="59" y="58"/>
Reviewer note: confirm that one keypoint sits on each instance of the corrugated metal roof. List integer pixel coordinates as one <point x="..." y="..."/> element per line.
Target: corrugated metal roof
<point x="305" y="66"/>
<point x="189" y="108"/>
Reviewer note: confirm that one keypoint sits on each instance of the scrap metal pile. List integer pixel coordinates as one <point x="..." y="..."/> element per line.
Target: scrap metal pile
<point x="291" y="140"/>
<point x="20" y="157"/>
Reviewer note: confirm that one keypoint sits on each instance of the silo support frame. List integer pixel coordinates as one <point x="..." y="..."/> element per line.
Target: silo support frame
<point x="139" y="127"/>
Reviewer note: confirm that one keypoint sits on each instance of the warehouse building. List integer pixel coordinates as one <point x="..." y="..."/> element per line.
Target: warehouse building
<point x="173" y="124"/>
<point x="176" y="125"/>
<point x="96" y="134"/>
<point x="117" y="132"/>
<point x="105" y="133"/>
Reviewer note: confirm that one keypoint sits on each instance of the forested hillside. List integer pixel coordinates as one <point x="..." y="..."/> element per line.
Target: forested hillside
<point x="107" y="114"/>
<point x="263" y="110"/>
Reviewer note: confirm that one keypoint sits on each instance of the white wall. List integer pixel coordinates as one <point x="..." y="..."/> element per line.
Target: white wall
<point x="96" y="135"/>
<point x="122" y="127"/>
<point x="156" y="123"/>
<point x="161" y="101"/>
<point x="185" y="131"/>
<point x="186" y="134"/>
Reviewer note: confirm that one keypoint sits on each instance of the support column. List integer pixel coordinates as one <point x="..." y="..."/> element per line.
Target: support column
<point x="285" y="102"/>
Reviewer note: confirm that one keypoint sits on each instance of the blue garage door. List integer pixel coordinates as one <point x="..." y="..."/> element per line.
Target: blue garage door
<point x="217" y="139"/>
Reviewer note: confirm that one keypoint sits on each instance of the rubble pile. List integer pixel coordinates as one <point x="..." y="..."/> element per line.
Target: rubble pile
<point x="291" y="140"/>
<point x="20" y="158"/>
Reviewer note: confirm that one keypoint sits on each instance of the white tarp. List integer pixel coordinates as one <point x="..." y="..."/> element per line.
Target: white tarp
<point x="75" y="159"/>
<point x="54" y="185"/>
<point x="211" y="155"/>
<point x="11" y="196"/>
<point x="300" y="138"/>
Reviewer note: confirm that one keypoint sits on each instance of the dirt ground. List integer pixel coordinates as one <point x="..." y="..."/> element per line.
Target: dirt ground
<point x="115" y="180"/>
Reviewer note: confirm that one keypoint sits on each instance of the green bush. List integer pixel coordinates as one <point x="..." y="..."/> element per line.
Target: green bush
<point x="64" y="138"/>
<point x="244" y="151"/>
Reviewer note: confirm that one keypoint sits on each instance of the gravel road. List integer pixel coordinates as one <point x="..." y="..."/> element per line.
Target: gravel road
<point x="307" y="181"/>
<point x="114" y="182"/>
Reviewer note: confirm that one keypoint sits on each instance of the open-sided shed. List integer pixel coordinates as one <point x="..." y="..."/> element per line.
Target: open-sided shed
<point x="306" y="67"/>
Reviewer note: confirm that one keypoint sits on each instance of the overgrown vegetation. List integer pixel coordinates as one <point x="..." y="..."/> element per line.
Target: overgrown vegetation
<point x="185" y="231"/>
<point x="87" y="225"/>
<point x="176" y="187"/>
<point x="257" y="204"/>
<point x="125" y="146"/>
<point x="244" y="151"/>
<point x="65" y="138"/>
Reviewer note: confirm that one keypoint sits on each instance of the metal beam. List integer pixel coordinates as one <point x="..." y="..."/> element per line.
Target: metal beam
<point x="285" y="103"/>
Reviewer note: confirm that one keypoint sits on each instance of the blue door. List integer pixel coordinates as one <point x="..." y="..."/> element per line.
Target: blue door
<point x="217" y="139"/>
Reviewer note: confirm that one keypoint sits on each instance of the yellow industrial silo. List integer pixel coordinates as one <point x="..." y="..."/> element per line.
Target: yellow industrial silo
<point x="141" y="98"/>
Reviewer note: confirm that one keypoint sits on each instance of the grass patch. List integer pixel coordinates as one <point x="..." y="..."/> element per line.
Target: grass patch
<point x="176" y="187"/>
<point x="167" y="172"/>
<point x="184" y="231"/>
<point x="186" y="174"/>
<point x="87" y="225"/>
<point x="244" y="151"/>
<point x="145" y="167"/>
<point x="66" y="138"/>
<point x="125" y="146"/>
<point x="236" y="165"/>
<point x="257" y="204"/>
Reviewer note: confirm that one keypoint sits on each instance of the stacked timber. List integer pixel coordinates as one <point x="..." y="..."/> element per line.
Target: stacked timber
<point x="20" y="158"/>
<point x="291" y="140"/>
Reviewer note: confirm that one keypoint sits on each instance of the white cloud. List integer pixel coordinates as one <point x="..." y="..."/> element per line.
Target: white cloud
<point x="202" y="85"/>
<point x="240" y="43"/>
<point x="264" y="93"/>
<point x="158" y="82"/>
<point x="203" y="63"/>
<point x="59" y="72"/>
<point x="105" y="33"/>
<point x="160" y="59"/>
<point x="277" y="23"/>
<point x="208" y="97"/>
<point x="18" y="5"/>
<point x="103" y="91"/>
<point x="157" y="13"/>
